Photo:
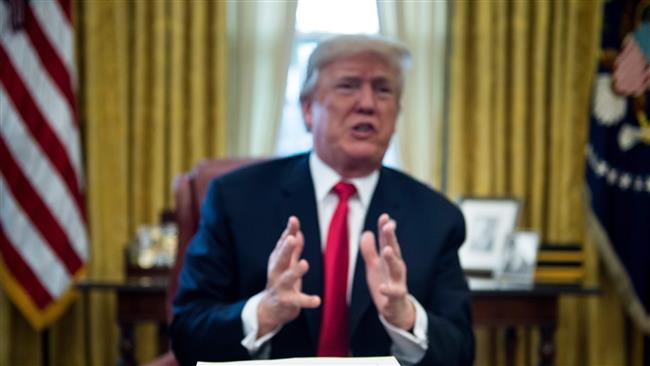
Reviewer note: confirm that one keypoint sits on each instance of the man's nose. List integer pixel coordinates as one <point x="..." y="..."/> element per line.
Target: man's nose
<point x="367" y="101"/>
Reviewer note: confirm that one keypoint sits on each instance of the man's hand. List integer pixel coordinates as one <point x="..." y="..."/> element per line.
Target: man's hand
<point x="283" y="297"/>
<point x="386" y="275"/>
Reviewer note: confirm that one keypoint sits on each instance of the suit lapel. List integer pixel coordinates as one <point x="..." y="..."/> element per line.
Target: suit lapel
<point x="383" y="200"/>
<point x="300" y="200"/>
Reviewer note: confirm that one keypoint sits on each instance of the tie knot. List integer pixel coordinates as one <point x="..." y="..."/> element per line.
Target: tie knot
<point x="344" y="190"/>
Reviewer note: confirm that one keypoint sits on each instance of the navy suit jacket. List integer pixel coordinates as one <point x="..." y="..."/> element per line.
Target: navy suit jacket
<point x="242" y="217"/>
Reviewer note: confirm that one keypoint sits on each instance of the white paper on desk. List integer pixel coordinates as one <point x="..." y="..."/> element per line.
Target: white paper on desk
<point x="313" y="361"/>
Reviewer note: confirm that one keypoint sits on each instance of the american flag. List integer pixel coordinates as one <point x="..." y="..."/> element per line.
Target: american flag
<point x="43" y="239"/>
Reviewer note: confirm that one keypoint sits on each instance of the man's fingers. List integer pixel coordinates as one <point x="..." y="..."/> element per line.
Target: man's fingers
<point x="386" y="228"/>
<point x="289" y="279"/>
<point x="282" y="259"/>
<point x="293" y="274"/>
<point x="293" y="226"/>
<point x="297" y="251"/>
<point x="283" y="237"/>
<point x="368" y="250"/>
<point x="383" y="219"/>
<point x="392" y="290"/>
<point x="381" y="222"/>
<point x="388" y="235"/>
<point x="395" y="265"/>
<point x="308" y="301"/>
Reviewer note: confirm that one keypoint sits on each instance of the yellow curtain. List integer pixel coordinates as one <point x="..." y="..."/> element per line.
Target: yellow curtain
<point x="422" y="26"/>
<point x="520" y="84"/>
<point x="152" y="103"/>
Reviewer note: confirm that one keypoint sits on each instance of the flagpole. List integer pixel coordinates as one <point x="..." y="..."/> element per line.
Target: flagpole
<point x="45" y="347"/>
<point x="646" y="350"/>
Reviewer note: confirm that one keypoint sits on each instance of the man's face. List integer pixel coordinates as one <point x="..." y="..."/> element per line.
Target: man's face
<point x="352" y="113"/>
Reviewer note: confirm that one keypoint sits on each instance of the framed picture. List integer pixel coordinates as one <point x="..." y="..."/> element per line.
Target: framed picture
<point x="519" y="258"/>
<point x="489" y="222"/>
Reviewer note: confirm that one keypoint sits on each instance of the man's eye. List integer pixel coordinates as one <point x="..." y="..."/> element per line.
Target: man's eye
<point x="384" y="91"/>
<point x="345" y="88"/>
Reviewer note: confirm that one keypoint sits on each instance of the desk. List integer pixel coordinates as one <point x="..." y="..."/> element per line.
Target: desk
<point x="496" y="306"/>
<point x="493" y="305"/>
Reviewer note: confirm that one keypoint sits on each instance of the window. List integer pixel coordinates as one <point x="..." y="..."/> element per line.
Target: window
<point x="315" y="20"/>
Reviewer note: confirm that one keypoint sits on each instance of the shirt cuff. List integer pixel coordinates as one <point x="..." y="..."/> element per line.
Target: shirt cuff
<point x="409" y="348"/>
<point x="254" y="345"/>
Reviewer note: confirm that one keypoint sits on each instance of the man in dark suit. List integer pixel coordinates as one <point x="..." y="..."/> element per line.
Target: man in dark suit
<point x="245" y="294"/>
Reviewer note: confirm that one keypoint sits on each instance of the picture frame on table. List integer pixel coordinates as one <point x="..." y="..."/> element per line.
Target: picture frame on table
<point x="519" y="258"/>
<point x="489" y="221"/>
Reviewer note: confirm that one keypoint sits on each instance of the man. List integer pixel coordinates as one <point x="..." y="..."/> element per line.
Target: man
<point x="244" y="293"/>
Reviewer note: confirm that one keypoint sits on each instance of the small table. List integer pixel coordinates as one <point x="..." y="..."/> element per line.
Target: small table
<point x="140" y="299"/>
<point x="495" y="305"/>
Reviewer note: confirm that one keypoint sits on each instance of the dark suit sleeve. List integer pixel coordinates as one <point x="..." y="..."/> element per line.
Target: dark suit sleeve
<point x="207" y="309"/>
<point x="450" y="334"/>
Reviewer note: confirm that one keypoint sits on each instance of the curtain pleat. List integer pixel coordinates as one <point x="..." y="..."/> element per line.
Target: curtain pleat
<point x="536" y="205"/>
<point x="218" y="73"/>
<point x="199" y="83"/>
<point x="498" y="62"/>
<point x="178" y="99"/>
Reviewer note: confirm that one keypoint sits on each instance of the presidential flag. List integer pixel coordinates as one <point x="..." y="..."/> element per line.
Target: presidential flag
<point x="618" y="154"/>
<point x="43" y="239"/>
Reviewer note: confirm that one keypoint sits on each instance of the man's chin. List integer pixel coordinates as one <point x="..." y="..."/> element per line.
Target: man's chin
<point x="370" y="160"/>
<point x="366" y="152"/>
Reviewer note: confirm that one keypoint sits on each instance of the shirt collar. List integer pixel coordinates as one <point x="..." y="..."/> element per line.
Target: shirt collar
<point x="325" y="178"/>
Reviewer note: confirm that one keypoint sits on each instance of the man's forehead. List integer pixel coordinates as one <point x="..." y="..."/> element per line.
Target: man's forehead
<point x="360" y="66"/>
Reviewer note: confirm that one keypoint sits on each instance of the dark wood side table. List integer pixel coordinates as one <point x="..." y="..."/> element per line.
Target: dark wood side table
<point x="141" y="299"/>
<point x="498" y="306"/>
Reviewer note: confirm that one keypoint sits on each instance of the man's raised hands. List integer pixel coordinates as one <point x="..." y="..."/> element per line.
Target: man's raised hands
<point x="283" y="297"/>
<point x="386" y="274"/>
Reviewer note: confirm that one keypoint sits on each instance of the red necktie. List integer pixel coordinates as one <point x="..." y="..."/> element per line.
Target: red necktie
<point x="333" y="340"/>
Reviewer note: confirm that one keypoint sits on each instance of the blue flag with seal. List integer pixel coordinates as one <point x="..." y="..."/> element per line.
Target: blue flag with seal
<point x="618" y="154"/>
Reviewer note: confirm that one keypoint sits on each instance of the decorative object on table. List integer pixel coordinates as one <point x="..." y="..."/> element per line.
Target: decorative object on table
<point x="560" y="263"/>
<point x="489" y="222"/>
<point x="518" y="258"/>
<point x="152" y="251"/>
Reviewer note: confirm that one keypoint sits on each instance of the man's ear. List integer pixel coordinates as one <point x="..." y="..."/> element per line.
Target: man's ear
<point x="305" y="105"/>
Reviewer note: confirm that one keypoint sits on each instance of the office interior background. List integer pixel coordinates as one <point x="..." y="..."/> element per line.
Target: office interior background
<point x="497" y="103"/>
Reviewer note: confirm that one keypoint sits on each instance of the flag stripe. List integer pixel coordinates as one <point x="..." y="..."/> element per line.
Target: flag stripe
<point x="39" y="128"/>
<point x="23" y="61"/>
<point x="44" y="178"/>
<point x="55" y="27"/>
<point x="28" y="242"/>
<point x="34" y="207"/>
<point x="20" y="270"/>
<point x="50" y="59"/>
<point x="65" y="6"/>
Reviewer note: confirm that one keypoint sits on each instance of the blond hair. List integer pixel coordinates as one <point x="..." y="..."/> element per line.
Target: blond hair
<point x="337" y="47"/>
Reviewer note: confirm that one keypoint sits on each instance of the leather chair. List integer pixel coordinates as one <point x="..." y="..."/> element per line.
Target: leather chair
<point x="189" y="190"/>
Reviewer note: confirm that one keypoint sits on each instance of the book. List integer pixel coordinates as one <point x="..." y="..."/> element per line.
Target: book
<point x="560" y="263"/>
<point x="313" y="361"/>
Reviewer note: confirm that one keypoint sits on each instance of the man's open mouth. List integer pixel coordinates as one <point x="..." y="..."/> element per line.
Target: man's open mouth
<point x="364" y="128"/>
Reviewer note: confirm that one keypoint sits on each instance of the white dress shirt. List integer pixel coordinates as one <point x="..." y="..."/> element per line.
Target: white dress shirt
<point x="408" y="348"/>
